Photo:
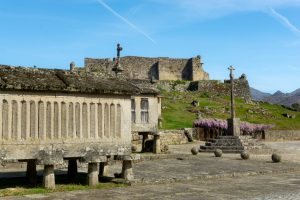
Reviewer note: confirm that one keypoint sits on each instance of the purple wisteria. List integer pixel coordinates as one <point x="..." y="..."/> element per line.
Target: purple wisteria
<point x="246" y="127"/>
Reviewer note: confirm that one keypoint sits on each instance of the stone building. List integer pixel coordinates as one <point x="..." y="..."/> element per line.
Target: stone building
<point x="144" y="68"/>
<point x="145" y="111"/>
<point x="47" y="116"/>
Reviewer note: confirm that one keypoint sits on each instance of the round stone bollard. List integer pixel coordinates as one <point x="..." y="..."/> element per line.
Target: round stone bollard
<point x="276" y="158"/>
<point x="218" y="153"/>
<point x="194" y="150"/>
<point x="245" y="155"/>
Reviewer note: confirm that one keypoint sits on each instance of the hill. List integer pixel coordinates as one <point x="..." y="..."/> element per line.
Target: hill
<point x="258" y="95"/>
<point x="178" y="112"/>
<point x="281" y="98"/>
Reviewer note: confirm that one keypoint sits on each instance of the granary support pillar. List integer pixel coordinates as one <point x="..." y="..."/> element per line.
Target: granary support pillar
<point x="72" y="169"/>
<point x="156" y="144"/>
<point x="92" y="176"/>
<point x="103" y="169"/>
<point x="49" y="177"/>
<point x="31" y="174"/>
<point x="127" y="172"/>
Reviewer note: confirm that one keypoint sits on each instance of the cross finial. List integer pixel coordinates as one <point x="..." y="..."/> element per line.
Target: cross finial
<point x="231" y="68"/>
<point x="117" y="68"/>
<point x="119" y="49"/>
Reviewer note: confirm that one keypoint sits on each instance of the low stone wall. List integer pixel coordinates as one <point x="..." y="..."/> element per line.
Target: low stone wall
<point x="282" y="135"/>
<point x="173" y="137"/>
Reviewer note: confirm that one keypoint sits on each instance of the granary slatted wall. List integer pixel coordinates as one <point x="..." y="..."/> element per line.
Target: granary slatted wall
<point x="37" y="118"/>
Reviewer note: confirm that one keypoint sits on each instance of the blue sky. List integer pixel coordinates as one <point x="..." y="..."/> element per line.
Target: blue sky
<point x="259" y="38"/>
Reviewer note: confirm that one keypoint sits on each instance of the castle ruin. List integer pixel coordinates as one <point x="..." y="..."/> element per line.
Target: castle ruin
<point x="161" y="68"/>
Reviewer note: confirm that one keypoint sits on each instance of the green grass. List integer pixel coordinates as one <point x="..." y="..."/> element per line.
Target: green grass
<point x="179" y="113"/>
<point x="18" y="186"/>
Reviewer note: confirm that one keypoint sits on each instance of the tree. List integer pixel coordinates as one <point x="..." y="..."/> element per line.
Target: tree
<point x="296" y="106"/>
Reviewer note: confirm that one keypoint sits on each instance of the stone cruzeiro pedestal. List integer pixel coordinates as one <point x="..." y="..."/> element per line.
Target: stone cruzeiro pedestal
<point x="231" y="143"/>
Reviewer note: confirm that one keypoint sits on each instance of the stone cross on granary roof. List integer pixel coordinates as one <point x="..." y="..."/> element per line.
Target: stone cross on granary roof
<point x="119" y="49"/>
<point x="117" y="68"/>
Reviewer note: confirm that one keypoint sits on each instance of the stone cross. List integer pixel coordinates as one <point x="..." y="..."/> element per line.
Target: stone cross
<point x="119" y="49"/>
<point x="231" y="68"/>
<point x="117" y="68"/>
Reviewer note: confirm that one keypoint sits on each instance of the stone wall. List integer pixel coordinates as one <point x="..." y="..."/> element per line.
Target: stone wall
<point x="167" y="137"/>
<point x="152" y="68"/>
<point x="241" y="87"/>
<point x="282" y="135"/>
<point x="173" y="137"/>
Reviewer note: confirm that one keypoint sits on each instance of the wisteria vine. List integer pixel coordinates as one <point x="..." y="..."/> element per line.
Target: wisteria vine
<point x="246" y="127"/>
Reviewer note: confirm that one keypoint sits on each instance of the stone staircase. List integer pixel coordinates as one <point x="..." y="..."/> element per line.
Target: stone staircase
<point x="235" y="144"/>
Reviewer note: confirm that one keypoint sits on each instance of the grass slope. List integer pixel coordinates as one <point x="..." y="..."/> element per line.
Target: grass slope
<point x="178" y="112"/>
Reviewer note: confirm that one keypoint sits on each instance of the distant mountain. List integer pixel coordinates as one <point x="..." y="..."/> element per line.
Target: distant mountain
<point x="258" y="95"/>
<point x="281" y="98"/>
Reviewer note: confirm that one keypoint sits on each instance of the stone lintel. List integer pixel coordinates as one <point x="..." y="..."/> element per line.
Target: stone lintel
<point x="93" y="158"/>
<point x="50" y="157"/>
<point x="131" y="157"/>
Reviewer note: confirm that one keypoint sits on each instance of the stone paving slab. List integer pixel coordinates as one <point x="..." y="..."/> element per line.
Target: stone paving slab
<point x="267" y="187"/>
<point x="205" y="166"/>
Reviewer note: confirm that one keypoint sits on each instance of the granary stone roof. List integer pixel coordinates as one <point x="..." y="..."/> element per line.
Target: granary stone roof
<point x="55" y="80"/>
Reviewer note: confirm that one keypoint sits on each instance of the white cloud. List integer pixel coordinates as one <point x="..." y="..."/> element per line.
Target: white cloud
<point x="107" y="7"/>
<point x="217" y="8"/>
<point x="282" y="19"/>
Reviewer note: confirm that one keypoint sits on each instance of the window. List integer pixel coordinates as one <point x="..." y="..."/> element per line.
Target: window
<point x="133" y="110"/>
<point x="144" y="111"/>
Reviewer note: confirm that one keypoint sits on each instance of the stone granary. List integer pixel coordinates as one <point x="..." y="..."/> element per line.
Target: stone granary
<point x="145" y="112"/>
<point x="47" y="116"/>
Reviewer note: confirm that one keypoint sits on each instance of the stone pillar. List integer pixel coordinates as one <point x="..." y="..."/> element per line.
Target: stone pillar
<point x="233" y="126"/>
<point x="36" y="118"/>
<point x="1" y="113"/>
<point x="156" y="144"/>
<point x="127" y="172"/>
<point x="9" y="119"/>
<point x="59" y="119"/>
<point x="28" y="119"/>
<point x="92" y="177"/>
<point x="88" y="123"/>
<point x="49" y="177"/>
<point x="103" y="169"/>
<point x="72" y="169"/>
<point x="19" y="118"/>
<point x="31" y="174"/>
<point x="52" y="120"/>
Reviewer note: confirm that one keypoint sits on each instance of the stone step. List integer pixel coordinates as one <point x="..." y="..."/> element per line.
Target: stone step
<point x="227" y="137"/>
<point x="224" y="151"/>
<point x="208" y="144"/>
<point x="222" y="147"/>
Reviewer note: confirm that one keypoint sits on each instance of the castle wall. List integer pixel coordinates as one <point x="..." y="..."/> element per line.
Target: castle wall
<point x="241" y="88"/>
<point x="152" y="68"/>
<point x="198" y="72"/>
